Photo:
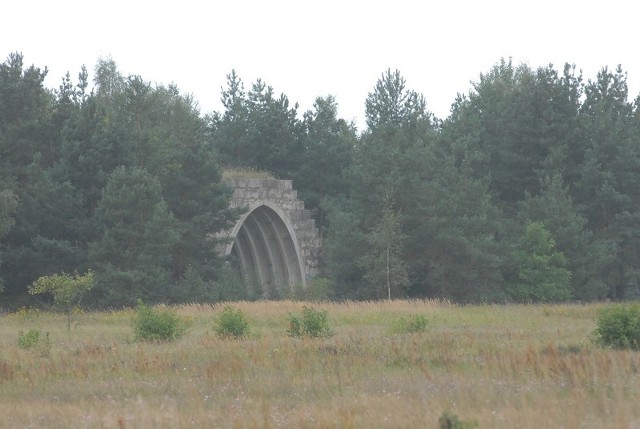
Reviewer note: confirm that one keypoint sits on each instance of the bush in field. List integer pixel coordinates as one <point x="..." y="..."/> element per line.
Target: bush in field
<point x="28" y="340"/>
<point x="618" y="327"/>
<point x="413" y="325"/>
<point x="232" y="323"/>
<point x="33" y="340"/>
<point x="158" y="324"/>
<point x="451" y="421"/>
<point x="312" y="323"/>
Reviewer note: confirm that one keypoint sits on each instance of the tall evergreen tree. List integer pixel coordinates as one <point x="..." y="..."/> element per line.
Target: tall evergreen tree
<point x="448" y="219"/>
<point x="605" y="190"/>
<point x="25" y="115"/>
<point x="391" y="104"/>
<point x="132" y="256"/>
<point x="60" y="182"/>
<point x="517" y="126"/>
<point x="199" y="201"/>
<point x="329" y="143"/>
<point x="30" y="143"/>
<point x="587" y="257"/>
<point x="344" y="243"/>
<point x="541" y="269"/>
<point x="8" y="204"/>
<point x="258" y="129"/>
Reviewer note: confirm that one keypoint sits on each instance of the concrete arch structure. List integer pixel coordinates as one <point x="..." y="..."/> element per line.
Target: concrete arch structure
<point x="275" y="243"/>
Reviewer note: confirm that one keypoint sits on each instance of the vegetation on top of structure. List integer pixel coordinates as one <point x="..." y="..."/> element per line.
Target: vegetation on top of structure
<point x="246" y="173"/>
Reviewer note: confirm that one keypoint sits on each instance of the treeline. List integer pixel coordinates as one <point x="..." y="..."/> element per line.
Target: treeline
<point x="529" y="191"/>
<point x="122" y="180"/>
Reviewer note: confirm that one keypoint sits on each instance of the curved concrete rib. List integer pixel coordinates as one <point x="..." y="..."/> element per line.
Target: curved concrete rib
<point x="266" y="251"/>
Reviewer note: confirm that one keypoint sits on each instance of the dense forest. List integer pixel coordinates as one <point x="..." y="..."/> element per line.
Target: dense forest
<point x="528" y="192"/>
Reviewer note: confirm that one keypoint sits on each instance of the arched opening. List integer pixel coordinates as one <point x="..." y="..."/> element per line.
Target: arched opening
<point x="265" y="251"/>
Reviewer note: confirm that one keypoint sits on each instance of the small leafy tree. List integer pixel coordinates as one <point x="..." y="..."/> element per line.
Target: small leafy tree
<point x="541" y="270"/>
<point x="385" y="268"/>
<point x="67" y="290"/>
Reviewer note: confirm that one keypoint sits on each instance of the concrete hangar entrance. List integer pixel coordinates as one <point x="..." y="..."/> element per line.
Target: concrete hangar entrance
<point x="275" y="243"/>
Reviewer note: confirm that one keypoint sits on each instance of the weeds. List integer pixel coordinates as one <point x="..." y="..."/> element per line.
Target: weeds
<point x="413" y="325"/>
<point x="25" y="313"/>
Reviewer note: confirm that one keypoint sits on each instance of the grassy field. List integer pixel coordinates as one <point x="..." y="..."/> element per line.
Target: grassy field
<point x="500" y="366"/>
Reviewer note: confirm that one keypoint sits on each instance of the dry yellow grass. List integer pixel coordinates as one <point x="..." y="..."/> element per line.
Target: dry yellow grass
<point x="503" y="366"/>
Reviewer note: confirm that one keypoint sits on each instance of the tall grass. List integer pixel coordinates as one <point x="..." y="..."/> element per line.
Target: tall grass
<point x="502" y="366"/>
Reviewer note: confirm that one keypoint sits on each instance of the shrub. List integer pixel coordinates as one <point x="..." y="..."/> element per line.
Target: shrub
<point x="313" y="323"/>
<point x="33" y="340"/>
<point x="232" y="323"/>
<point x="413" y="325"/>
<point x="618" y="327"/>
<point x="158" y="324"/>
<point x="451" y="421"/>
<point x="28" y="340"/>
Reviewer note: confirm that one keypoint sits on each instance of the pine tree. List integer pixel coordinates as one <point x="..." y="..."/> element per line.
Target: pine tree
<point x="541" y="269"/>
<point x="132" y="256"/>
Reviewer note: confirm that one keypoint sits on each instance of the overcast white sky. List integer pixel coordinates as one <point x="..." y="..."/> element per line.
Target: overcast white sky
<point x="309" y="49"/>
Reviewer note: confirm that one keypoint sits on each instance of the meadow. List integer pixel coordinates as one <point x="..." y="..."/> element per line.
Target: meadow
<point x="492" y="366"/>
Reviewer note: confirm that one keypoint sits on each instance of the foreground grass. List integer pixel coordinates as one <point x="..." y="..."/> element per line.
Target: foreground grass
<point x="502" y="366"/>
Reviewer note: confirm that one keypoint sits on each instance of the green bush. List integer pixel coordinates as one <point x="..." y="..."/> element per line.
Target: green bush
<point x="451" y="421"/>
<point x="312" y="323"/>
<point x="413" y="325"/>
<point x="618" y="327"/>
<point x="28" y="340"/>
<point x="232" y="323"/>
<point x="33" y="340"/>
<point x="158" y="324"/>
